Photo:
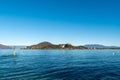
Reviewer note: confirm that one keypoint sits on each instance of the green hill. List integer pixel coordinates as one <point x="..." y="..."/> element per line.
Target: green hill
<point x="48" y="45"/>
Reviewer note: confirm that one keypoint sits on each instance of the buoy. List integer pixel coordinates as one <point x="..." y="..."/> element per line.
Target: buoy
<point x="113" y="53"/>
<point x="14" y="52"/>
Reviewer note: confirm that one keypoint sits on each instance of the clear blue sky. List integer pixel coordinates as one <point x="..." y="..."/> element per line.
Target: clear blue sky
<point x="26" y="22"/>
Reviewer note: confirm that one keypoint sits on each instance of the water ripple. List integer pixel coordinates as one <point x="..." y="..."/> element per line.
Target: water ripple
<point x="52" y="65"/>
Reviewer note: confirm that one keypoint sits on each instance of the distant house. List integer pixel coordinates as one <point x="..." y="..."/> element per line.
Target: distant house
<point x="62" y="46"/>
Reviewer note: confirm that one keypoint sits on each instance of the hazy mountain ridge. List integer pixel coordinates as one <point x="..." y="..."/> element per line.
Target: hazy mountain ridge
<point x="18" y="46"/>
<point x="4" y="47"/>
<point x="99" y="46"/>
<point x="11" y="47"/>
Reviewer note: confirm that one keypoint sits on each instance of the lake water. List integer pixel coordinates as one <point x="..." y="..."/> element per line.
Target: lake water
<point x="60" y="65"/>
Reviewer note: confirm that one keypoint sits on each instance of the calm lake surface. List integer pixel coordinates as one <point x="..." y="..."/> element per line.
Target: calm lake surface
<point x="60" y="65"/>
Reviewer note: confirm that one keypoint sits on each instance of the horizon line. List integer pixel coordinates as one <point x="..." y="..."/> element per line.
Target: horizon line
<point x="57" y="43"/>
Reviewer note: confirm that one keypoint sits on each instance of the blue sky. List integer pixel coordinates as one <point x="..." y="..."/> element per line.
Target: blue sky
<point x="26" y="22"/>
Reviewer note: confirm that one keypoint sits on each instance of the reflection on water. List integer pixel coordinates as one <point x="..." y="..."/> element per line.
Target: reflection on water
<point x="60" y="65"/>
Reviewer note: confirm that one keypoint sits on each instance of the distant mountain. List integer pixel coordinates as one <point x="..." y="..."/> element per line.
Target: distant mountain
<point x="48" y="45"/>
<point x="18" y="47"/>
<point x="100" y="46"/>
<point x="4" y="47"/>
<point x="43" y="45"/>
<point x="94" y="46"/>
